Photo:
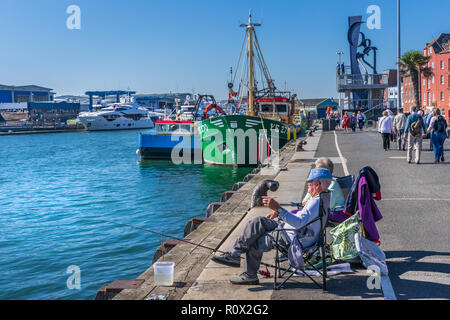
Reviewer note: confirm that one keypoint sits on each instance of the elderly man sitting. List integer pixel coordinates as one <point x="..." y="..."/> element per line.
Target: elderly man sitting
<point x="259" y="234"/>
<point x="337" y="200"/>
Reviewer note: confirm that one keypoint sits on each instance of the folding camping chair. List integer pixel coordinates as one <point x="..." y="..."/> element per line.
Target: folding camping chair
<point x="282" y="252"/>
<point x="346" y="184"/>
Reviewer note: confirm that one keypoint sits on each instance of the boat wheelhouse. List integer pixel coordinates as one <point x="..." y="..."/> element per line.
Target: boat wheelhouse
<point x="171" y="140"/>
<point x="276" y="108"/>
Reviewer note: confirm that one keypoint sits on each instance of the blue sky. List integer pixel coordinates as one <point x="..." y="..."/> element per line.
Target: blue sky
<point x="182" y="45"/>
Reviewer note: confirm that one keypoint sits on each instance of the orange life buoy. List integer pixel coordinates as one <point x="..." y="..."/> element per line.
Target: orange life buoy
<point x="210" y="107"/>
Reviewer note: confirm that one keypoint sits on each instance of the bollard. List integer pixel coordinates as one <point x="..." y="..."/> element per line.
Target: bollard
<point x="168" y="245"/>
<point x="193" y="224"/>
<point x="238" y="185"/>
<point x="261" y="190"/>
<point x="226" y="195"/>
<point x="109" y="291"/>
<point x="300" y="145"/>
<point x="249" y="177"/>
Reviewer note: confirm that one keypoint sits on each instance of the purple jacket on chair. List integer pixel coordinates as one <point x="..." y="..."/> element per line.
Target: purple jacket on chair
<point x="368" y="210"/>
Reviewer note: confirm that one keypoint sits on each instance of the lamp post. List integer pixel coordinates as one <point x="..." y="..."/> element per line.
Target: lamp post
<point x="399" y="85"/>
<point x="340" y="53"/>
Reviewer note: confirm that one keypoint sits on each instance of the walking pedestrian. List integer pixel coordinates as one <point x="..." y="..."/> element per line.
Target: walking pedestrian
<point x="427" y="124"/>
<point x="342" y="69"/>
<point x="361" y="118"/>
<point x="353" y="121"/>
<point x="385" y="128"/>
<point x="438" y="134"/>
<point x="338" y="119"/>
<point x="399" y="128"/>
<point x="415" y="131"/>
<point x="391" y="115"/>
<point x="345" y="122"/>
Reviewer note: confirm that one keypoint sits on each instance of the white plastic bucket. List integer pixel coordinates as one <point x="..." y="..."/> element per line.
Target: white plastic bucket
<point x="163" y="273"/>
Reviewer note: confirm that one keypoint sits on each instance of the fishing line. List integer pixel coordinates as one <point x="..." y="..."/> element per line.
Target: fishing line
<point x="162" y="234"/>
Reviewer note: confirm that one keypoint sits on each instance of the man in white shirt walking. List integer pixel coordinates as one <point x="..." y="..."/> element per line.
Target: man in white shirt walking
<point x="385" y="127"/>
<point x="399" y="129"/>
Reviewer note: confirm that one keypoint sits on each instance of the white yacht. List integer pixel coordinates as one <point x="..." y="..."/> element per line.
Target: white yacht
<point x="186" y="112"/>
<point x="119" y="116"/>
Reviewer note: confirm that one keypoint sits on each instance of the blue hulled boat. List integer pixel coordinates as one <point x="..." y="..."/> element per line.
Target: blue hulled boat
<point x="171" y="140"/>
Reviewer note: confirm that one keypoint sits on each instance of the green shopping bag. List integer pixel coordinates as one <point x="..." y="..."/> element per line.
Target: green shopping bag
<point x="343" y="246"/>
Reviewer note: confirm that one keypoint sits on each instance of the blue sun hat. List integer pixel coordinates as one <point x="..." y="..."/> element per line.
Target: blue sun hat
<point x="319" y="173"/>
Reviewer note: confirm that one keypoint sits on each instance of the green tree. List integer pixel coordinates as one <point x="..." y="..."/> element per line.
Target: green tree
<point x="413" y="64"/>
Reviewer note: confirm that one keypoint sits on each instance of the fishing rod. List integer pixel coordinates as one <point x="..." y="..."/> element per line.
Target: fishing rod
<point x="162" y="234"/>
<point x="183" y="240"/>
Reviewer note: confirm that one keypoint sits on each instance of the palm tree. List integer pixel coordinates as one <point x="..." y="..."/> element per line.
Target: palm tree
<point x="413" y="64"/>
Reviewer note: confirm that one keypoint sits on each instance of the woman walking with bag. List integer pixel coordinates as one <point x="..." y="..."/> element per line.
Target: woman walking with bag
<point x="385" y="127"/>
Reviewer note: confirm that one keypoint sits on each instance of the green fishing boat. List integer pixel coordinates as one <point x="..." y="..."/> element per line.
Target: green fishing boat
<point x="248" y="139"/>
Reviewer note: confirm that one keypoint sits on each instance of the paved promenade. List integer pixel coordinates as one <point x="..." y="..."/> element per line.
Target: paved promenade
<point x="416" y="209"/>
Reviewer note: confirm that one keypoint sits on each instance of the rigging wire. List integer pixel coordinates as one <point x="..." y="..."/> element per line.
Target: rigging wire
<point x="240" y="55"/>
<point x="265" y="69"/>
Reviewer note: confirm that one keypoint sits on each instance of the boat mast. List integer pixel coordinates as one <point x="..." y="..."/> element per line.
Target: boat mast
<point x="250" y="28"/>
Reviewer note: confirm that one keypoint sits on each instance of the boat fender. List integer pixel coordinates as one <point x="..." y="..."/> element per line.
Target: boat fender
<point x="261" y="190"/>
<point x="138" y="152"/>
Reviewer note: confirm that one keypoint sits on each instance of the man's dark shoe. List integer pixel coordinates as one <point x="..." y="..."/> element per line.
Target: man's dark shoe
<point x="245" y="279"/>
<point x="227" y="259"/>
<point x="442" y="159"/>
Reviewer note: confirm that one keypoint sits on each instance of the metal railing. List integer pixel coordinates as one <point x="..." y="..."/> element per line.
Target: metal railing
<point x="361" y="104"/>
<point x="357" y="80"/>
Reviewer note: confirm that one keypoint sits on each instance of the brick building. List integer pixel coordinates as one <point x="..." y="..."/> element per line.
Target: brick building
<point x="435" y="90"/>
<point x="407" y="94"/>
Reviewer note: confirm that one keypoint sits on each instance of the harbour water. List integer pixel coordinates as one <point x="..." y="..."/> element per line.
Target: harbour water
<point x="55" y="192"/>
